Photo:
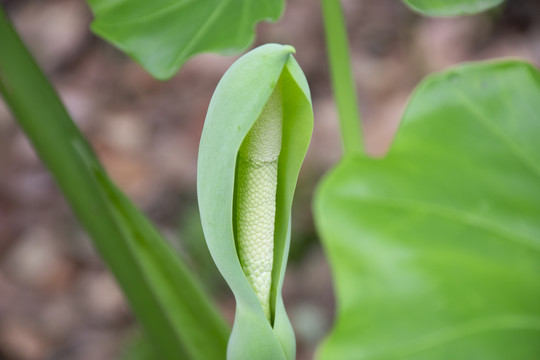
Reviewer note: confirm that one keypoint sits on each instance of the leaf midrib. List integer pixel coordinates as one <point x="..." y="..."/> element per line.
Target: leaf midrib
<point x="457" y="216"/>
<point x="146" y="17"/>
<point x="200" y="32"/>
<point x="452" y="333"/>
<point x="513" y="148"/>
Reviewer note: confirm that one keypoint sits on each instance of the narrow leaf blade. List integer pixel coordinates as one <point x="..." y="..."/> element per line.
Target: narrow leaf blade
<point x="166" y="298"/>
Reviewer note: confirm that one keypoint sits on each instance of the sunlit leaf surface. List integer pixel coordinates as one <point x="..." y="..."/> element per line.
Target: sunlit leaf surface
<point x="435" y="249"/>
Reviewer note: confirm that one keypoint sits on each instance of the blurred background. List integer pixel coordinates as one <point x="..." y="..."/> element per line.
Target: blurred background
<point x="57" y="299"/>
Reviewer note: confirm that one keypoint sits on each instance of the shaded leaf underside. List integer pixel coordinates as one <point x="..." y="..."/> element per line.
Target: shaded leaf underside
<point x="162" y="35"/>
<point x="451" y="7"/>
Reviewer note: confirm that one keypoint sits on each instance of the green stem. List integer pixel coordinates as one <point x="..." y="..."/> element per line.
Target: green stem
<point x="342" y="77"/>
<point x="131" y="250"/>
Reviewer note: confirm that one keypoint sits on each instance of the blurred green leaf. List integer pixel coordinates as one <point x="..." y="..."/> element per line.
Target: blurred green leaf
<point x="177" y="316"/>
<point x="137" y="348"/>
<point x="193" y="321"/>
<point x="451" y="7"/>
<point x="435" y="249"/>
<point x="163" y="34"/>
<point x="191" y="236"/>
<point x="237" y="102"/>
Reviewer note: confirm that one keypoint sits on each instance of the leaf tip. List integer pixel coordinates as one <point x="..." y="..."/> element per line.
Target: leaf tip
<point x="290" y="49"/>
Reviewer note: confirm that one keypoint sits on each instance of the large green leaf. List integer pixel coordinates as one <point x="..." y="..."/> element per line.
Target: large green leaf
<point x="435" y="249"/>
<point x="163" y="34"/>
<point x="177" y="317"/>
<point x="451" y="7"/>
<point x="237" y="102"/>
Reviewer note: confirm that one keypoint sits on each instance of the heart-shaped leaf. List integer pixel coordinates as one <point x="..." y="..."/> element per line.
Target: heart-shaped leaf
<point x="237" y="104"/>
<point x="435" y="249"/>
<point x="451" y="7"/>
<point x="163" y="34"/>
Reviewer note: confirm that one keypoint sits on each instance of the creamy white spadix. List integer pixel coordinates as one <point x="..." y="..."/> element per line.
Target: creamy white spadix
<point x="256" y="186"/>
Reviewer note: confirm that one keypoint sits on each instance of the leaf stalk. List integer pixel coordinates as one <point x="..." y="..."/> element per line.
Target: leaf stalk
<point x="342" y="77"/>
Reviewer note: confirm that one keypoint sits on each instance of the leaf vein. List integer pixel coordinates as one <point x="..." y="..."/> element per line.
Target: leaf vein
<point x="452" y="333"/>
<point x="150" y="16"/>
<point x="202" y="30"/>
<point x="457" y="216"/>
<point x="510" y="145"/>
